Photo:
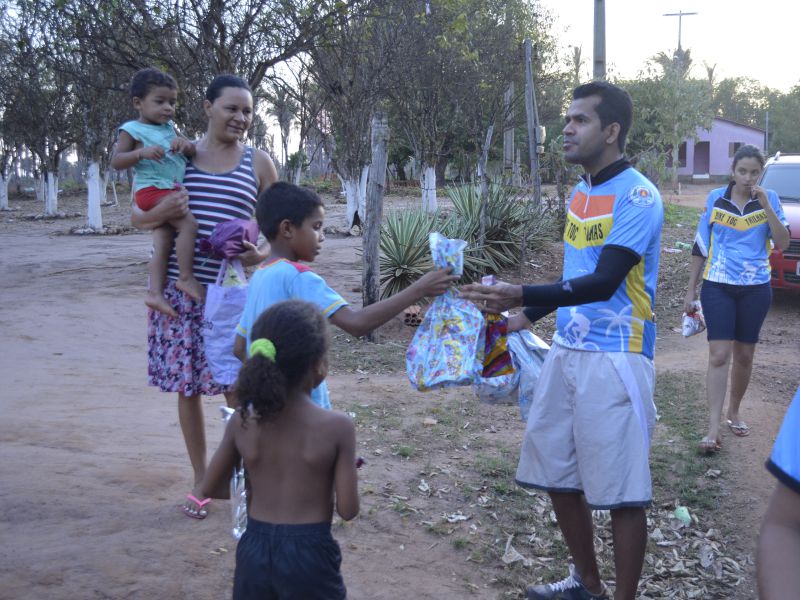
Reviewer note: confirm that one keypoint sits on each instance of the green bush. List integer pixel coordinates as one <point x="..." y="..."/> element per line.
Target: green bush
<point x="510" y="222"/>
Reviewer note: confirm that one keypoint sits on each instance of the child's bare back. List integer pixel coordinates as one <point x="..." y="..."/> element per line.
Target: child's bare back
<point x="295" y="460"/>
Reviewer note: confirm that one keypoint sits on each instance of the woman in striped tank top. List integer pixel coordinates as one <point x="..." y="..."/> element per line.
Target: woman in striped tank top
<point x="221" y="183"/>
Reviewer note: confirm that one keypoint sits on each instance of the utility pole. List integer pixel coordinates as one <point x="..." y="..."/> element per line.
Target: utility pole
<point x="599" y="71"/>
<point x="680" y="14"/>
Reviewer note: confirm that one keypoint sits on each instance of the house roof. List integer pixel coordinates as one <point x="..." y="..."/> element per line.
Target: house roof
<point x="738" y="124"/>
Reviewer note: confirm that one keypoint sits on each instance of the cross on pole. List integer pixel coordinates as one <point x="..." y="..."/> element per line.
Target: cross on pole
<point x="680" y="14"/>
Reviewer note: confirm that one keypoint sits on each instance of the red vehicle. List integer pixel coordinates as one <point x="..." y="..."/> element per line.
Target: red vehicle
<point x="782" y="174"/>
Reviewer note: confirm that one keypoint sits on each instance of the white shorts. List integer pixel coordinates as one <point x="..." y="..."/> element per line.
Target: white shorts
<point x="589" y="427"/>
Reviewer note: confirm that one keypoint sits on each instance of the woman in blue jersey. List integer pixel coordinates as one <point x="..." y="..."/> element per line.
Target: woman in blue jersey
<point x="222" y="182"/>
<point x="734" y="238"/>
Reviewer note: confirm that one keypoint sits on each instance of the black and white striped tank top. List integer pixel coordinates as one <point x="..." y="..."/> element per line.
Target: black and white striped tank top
<point x="214" y="198"/>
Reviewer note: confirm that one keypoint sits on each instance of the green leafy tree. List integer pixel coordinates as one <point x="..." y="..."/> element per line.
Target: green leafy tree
<point x="669" y="108"/>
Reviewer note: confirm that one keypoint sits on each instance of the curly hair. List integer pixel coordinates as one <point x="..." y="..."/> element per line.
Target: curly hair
<point x="146" y="79"/>
<point x="299" y="332"/>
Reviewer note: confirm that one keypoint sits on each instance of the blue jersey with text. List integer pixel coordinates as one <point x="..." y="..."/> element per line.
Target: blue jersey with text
<point x="623" y="211"/>
<point x="736" y="243"/>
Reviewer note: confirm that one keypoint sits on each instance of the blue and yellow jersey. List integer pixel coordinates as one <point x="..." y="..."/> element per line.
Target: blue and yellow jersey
<point x="736" y="243"/>
<point x="784" y="462"/>
<point x="281" y="280"/>
<point x="620" y="208"/>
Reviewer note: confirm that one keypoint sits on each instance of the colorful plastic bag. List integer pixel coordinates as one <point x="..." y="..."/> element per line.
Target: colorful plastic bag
<point x="693" y="322"/>
<point x="447" y="348"/>
<point x="225" y="301"/>
<point x="528" y="352"/>
<point x="496" y="357"/>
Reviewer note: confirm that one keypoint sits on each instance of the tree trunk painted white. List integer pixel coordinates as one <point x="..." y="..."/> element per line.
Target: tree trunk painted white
<point x="4" y="179"/>
<point x="51" y="198"/>
<point x="428" y="183"/>
<point x="362" y="191"/>
<point x="94" y="186"/>
<point x="298" y="173"/>
<point x="351" y="190"/>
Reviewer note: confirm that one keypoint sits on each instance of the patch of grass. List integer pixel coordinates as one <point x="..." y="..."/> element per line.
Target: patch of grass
<point x="677" y="214"/>
<point x="354" y="355"/>
<point x="404" y="451"/>
<point x="461" y="543"/>
<point x="496" y="467"/>
<point x="677" y="470"/>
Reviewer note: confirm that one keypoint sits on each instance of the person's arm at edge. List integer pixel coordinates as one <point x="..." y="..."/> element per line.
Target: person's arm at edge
<point x="361" y="321"/>
<point x="216" y="483"/>
<point x="345" y="478"/>
<point x="778" y="550"/>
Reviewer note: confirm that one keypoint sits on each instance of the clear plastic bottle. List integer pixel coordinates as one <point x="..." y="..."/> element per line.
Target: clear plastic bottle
<point x="238" y="489"/>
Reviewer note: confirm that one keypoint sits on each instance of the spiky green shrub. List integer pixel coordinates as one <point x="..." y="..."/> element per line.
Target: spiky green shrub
<point x="405" y="253"/>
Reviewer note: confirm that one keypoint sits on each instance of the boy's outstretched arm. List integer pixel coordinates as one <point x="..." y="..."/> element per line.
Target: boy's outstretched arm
<point x="345" y="479"/>
<point x="361" y="321"/>
<point x="216" y="483"/>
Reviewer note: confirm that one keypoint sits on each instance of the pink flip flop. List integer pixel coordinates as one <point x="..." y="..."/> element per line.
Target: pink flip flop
<point x="200" y="512"/>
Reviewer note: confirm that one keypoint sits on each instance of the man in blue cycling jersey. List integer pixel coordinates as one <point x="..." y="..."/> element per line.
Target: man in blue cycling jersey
<point x="588" y="435"/>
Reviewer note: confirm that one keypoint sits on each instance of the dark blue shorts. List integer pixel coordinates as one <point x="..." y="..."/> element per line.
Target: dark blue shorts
<point x="288" y="562"/>
<point x="735" y="312"/>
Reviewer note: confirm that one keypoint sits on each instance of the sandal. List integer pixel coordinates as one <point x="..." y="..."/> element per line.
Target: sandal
<point x="709" y="446"/>
<point x="739" y="428"/>
<point x="199" y="511"/>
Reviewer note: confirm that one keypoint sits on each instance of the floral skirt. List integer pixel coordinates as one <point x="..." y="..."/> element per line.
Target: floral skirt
<point x="176" y="361"/>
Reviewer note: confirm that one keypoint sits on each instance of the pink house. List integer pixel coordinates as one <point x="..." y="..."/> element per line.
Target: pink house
<point x="710" y="155"/>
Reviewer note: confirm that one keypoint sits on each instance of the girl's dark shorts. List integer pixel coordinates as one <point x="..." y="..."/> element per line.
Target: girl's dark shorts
<point x="735" y="312"/>
<point x="288" y="562"/>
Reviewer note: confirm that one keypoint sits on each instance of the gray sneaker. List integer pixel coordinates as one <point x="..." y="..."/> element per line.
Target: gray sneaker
<point x="570" y="588"/>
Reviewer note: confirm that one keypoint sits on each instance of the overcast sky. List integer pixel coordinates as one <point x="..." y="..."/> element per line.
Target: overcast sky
<point x="756" y="38"/>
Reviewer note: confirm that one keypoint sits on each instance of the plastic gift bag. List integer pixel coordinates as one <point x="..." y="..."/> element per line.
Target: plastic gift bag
<point x="447" y="348"/>
<point x="496" y="358"/>
<point x="225" y="301"/>
<point x="529" y="352"/>
<point x="693" y="322"/>
<point x="238" y="488"/>
<point x="227" y="239"/>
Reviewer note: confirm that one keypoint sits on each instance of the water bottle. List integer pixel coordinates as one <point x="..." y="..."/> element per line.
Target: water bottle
<point x="238" y="488"/>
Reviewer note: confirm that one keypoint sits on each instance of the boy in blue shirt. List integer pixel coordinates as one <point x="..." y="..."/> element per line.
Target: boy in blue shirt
<point x="291" y="219"/>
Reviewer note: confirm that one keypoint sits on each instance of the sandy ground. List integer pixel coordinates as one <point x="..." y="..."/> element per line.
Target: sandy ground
<point x="94" y="469"/>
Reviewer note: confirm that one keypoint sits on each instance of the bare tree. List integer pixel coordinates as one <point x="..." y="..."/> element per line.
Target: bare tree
<point x="350" y="65"/>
